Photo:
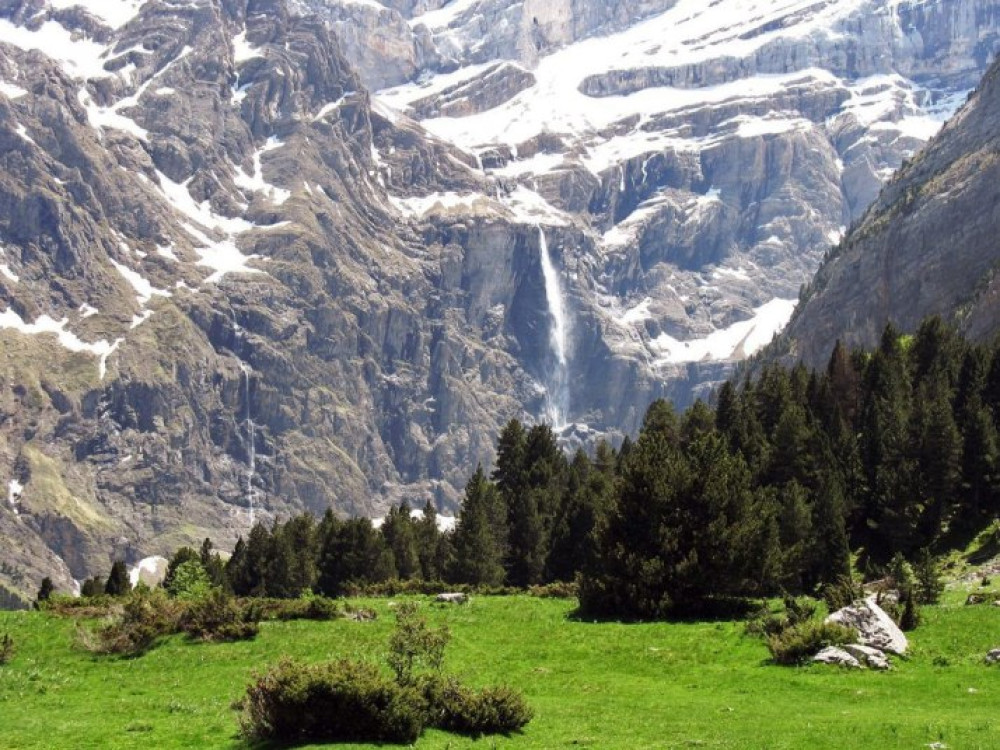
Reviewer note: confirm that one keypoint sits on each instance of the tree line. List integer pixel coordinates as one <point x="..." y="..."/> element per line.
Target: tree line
<point x="888" y="452"/>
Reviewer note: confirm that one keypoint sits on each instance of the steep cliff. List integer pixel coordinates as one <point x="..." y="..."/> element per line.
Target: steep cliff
<point x="928" y="245"/>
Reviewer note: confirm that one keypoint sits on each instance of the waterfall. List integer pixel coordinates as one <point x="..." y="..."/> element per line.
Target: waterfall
<point x="557" y="375"/>
<point x="250" y="437"/>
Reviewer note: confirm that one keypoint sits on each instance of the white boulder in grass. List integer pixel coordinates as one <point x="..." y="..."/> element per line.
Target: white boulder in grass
<point x="838" y="656"/>
<point x="875" y="628"/>
<point x="453" y="598"/>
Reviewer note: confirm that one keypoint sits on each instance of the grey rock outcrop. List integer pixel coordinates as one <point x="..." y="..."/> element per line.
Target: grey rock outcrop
<point x="837" y="656"/>
<point x="868" y="656"/>
<point x="875" y="628"/>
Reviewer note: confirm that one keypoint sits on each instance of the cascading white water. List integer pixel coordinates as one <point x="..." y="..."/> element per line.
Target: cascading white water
<point x="250" y="439"/>
<point x="557" y="375"/>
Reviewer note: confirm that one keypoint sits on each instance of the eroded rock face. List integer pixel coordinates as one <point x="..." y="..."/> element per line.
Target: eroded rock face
<point x="926" y="247"/>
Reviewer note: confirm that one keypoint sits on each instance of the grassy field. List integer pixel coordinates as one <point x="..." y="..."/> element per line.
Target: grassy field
<point x="601" y="685"/>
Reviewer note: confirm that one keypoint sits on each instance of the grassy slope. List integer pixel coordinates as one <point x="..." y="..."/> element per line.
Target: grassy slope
<point x="597" y="685"/>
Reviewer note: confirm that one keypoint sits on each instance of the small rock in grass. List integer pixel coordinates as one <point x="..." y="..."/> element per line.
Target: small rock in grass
<point x="838" y="656"/>
<point x="867" y="655"/>
<point x="993" y="657"/>
<point x="453" y="598"/>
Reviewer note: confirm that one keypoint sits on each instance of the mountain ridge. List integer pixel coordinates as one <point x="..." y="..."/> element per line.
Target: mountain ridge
<point x="239" y="285"/>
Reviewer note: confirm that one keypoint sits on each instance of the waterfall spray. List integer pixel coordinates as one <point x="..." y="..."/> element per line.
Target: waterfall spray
<point x="557" y="375"/>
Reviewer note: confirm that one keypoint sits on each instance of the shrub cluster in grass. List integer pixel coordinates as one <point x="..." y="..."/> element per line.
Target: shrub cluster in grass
<point x="455" y="707"/>
<point x="134" y="626"/>
<point x="798" y="643"/>
<point x="350" y="701"/>
<point x="216" y="616"/>
<point x="797" y="610"/>
<point x="83" y="606"/>
<point x="557" y="590"/>
<point x="138" y="622"/>
<point x="7" y="648"/>
<point x="341" y="701"/>
<point x="304" y="608"/>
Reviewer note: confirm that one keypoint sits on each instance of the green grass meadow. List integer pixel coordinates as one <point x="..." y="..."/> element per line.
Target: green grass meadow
<point x="598" y="685"/>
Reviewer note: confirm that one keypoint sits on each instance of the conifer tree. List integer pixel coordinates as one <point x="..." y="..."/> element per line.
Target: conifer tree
<point x="118" y="583"/>
<point x="430" y="544"/>
<point x="46" y="590"/>
<point x="401" y="537"/>
<point x="478" y="548"/>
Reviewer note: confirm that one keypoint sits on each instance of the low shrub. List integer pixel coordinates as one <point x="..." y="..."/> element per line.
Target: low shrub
<point x="217" y="616"/>
<point x="83" y="606"/>
<point x="7" y="649"/>
<point x="135" y="626"/>
<point x="557" y="590"/>
<point x="341" y="701"/>
<point x="453" y="707"/>
<point x="414" y="644"/>
<point x="306" y="608"/>
<point x="798" y="643"/>
<point x="797" y="610"/>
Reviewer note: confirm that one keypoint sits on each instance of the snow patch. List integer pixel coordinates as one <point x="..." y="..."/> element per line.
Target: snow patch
<point x="14" y="490"/>
<point x="11" y="91"/>
<point x="67" y="339"/>
<point x="149" y="570"/>
<point x="78" y="56"/>
<point x="738" y="341"/>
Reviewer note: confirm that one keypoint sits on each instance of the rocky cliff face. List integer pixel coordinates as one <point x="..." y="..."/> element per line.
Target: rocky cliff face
<point x="237" y="285"/>
<point x="926" y="247"/>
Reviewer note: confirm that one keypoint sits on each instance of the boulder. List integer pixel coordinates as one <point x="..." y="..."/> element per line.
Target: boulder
<point x="453" y="598"/>
<point x="875" y="628"/>
<point x="838" y="656"/>
<point x="993" y="657"/>
<point x="870" y="657"/>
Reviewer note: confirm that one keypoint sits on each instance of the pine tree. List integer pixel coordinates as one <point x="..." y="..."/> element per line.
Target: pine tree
<point x="401" y="537"/>
<point x="428" y="540"/>
<point x="46" y="590"/>
<point x="238" y="578"/>
<point x="212" y="563"/>
<point x="118" y="583"/>
<point x="181" y="556"/>
<point x="478" y="549"/>
<point x="352" y="553"/>
<point x="571" y="542"/>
